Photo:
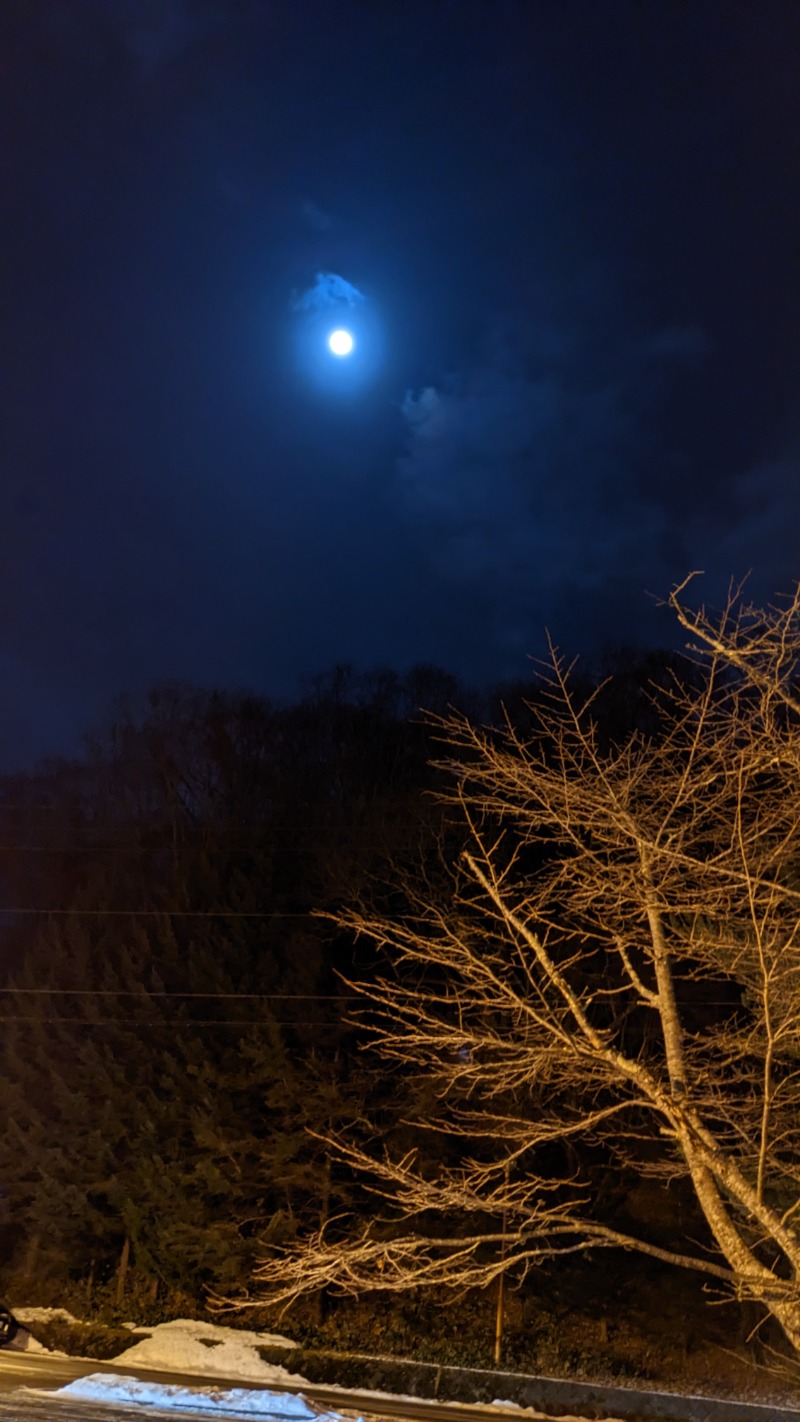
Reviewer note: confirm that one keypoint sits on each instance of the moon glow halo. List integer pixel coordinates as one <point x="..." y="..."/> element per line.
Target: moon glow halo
<point x="340" y="342"/>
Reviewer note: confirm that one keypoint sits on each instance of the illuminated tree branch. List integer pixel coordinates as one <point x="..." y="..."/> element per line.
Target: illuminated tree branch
<point x="557" y="992"/>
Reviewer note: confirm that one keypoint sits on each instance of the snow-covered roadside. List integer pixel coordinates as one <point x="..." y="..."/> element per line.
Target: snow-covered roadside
<point x="213" y="1350"/>
<point x="43" y="1315"/>
<point x="242" y="1402"/>
<point x="210" y="1349"/>
<point x="26" y="1341"/>
<point x="187" y="1346"/>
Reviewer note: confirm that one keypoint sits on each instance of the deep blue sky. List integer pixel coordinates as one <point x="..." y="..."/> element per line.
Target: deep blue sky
<point x="576" y="231"/>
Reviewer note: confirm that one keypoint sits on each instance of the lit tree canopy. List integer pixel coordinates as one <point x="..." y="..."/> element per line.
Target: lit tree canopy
<point x="610" y="968"/>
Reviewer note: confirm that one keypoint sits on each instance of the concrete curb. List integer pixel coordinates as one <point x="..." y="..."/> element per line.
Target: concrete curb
<point x="553" y="1396"/>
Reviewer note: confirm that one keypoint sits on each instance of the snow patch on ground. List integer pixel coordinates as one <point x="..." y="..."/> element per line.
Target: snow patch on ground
<point x="25" y="1341"/>
<point x="243" y="1402"/>
<point x="185" y="1346"/>
<point x="43" y="1315"/>
<point x="32" y="1345"/>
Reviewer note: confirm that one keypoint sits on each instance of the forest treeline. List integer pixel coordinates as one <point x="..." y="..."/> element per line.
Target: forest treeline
<point x="178" y="1029"/>
<point x="175" y="1021"/>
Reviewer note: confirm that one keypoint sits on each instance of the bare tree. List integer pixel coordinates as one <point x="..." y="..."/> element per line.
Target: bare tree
<point x="617" y="964"/>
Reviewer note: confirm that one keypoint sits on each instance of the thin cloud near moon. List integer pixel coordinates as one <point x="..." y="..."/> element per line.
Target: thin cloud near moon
<point x="327" y="291"/>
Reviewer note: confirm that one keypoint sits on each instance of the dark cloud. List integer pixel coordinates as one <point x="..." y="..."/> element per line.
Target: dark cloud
<point x="538" y="481"/>
<point x="315" y="217"/>
<point x="156" y="32"/>
<point x="755" y="531"/>
<point x="681" y="343"/>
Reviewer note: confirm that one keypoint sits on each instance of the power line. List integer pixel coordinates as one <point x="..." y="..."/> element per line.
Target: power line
<point x="172" y="1023"/>
<point x="157" y="913"/>
<point x="351" y="837"/>
<point x="146" y="993"/>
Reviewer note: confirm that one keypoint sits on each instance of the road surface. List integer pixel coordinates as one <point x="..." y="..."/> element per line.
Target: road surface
<point x="41" y="1371"/>
<point x="20" y="1371"/>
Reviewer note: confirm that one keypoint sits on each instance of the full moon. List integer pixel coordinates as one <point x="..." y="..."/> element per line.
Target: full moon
<point x="340" y="342"/>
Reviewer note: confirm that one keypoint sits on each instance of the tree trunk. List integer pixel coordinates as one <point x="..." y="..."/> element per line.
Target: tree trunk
<point x="498" y="1321"/>
<point x="761" y="1283"/>
<point x="122" y="1272"/>
<point x="32" y="1256"/>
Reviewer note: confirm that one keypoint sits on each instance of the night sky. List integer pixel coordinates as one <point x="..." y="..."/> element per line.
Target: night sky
<point x="566" y="239"/>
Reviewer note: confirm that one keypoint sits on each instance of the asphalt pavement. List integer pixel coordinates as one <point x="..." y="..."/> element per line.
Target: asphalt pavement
<point x="20" y="1371"/>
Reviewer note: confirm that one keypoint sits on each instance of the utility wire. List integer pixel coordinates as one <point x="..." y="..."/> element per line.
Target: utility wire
<point x="173" y="1023"/>
<point x="146" y="993"/>
<point x="159" y="913"/>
